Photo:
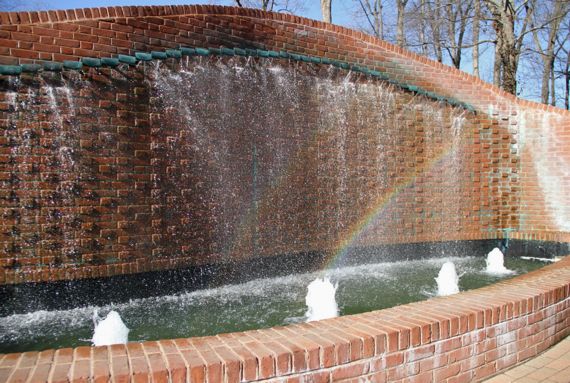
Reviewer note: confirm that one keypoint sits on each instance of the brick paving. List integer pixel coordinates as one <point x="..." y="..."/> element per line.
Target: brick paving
<point x="552" y="366"/>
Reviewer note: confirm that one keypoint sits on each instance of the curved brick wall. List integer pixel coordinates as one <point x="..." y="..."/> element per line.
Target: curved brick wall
<point x="512" y="173"/>
<point x="513" y="177"/>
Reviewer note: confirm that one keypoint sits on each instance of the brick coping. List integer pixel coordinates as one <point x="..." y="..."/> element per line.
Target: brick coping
<point x="102" y="13"/>
<point x="470" y="335"/>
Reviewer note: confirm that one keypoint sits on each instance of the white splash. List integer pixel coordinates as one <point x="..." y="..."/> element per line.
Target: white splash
<point x="496" y="263"/>
<point x="447" y="280"/>
<point x="320" y="300"/>
<point x="12" y="99"/>
<point x="555" y="259"/>
<point x="110" y="330"/>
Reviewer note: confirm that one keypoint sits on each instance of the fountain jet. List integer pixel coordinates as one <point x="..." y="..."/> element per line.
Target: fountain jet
<point x="110" y="330"/>
<point x="320" y="300"/>
<point x="496" y="262"/>
<point x="447" y="280"/>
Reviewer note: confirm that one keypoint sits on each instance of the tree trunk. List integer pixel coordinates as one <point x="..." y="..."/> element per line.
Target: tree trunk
<point x="548" y="55"/>
<point x="508" y="52"/>
<point x="451" y="32"/>
<point x="437" y="31"/>
<point x="497" y="64"/>
<point x="326" y="10"/>
<point x="552" y="85"/>
<point x="458" y="12"/>
<point x="265" y="5"/>
<point x="373" y="13"/>
<point x="547" y="67"/>
<point x="379" y="18"/>
<point x="423" y="24"/>
<point x="509" y="41"/>
<point x="475" y="42"/>
<point x="510" y="67"/>
<point x="400" y="37"/>
<point x="567" y="76"/>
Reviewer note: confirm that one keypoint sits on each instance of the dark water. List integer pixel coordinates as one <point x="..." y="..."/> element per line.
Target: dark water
<point x="256" y="304"/>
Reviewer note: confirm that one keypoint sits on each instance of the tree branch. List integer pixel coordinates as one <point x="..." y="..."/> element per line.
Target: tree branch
<point x="368" y="18"/>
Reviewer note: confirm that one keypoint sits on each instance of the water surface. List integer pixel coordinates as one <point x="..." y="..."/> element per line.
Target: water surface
<point x="256" y="304"/>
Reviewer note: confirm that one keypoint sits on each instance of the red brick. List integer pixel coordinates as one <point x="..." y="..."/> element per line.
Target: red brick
<point x="484" y="371"/>
<point x="442" y="373"/>
<point x="158" y="368"/>
<point x="120" y="369"/>
<point x="490" y="196"/>
<point x="176" y="368"/>
<point x="81" y="371"/>
<point x="40" y="373"/>
<point x="20" y="375"/>
<point x="139" y="369"/>
<point x="196" y="366"/>
<point x="60" y="373"/>
<point x="100" y="371"/>
<point x="464" y="377"/>
<point x="394" y="359"/>
<point x="420" y="353"/>
<point x="433" y="362"/>
<point x="426" y="377"/>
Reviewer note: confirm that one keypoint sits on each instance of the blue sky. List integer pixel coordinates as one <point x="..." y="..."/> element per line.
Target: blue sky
<point x="341" y="9"/>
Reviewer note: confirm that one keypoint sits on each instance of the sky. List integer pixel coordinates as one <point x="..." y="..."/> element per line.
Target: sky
<point x="341" y="9"/>
<point x="312" y="6"/>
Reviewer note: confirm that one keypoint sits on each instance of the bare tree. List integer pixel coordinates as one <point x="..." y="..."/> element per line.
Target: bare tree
<point x="458" y="15"/>
<point x="509" y="40"/>
<point x="563" y="60"/>
<point x="567" y="81"/>
<point x="547" y="54"/>
<point x="444" y="29"/>
<point x="424" y="45"/>
<point x="400" y="32"/>
<point x="475" y="36"/>
<point x="373" y="11"/>
<point x="497" y="64"/>
<point x="425" y="20"/>
<point x="326" y="10"/>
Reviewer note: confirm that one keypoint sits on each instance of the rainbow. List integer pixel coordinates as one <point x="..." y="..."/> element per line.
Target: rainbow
<point x="375" y="209"/>
<point x="369" y="217"/>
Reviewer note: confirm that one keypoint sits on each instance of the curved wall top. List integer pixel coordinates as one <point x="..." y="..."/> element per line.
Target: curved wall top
<point x="268" y="30"/>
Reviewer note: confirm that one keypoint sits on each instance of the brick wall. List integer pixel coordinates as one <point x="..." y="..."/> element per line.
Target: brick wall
<point x="91" y="182"/>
